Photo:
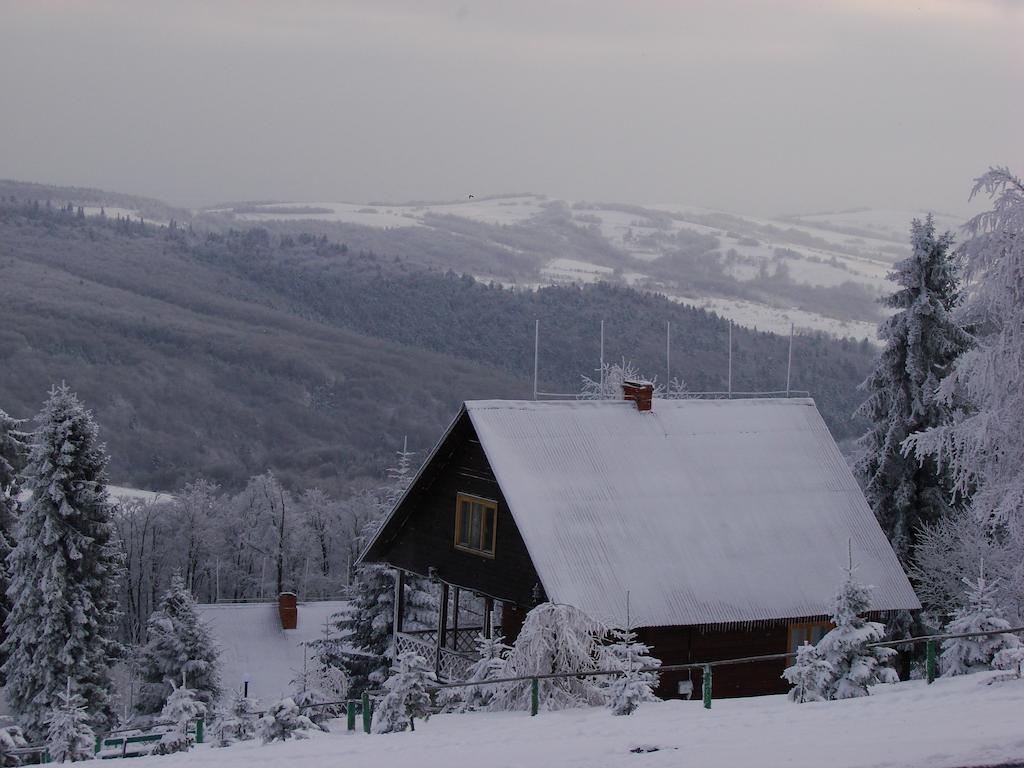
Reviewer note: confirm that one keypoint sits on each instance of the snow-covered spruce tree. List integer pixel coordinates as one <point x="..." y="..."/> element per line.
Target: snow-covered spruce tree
<point x="624" y="693"/>
<point x="13" y="451"/>
<point x="282" y="721"/>
<point x="982" y="447"/>
<point x="64" y="572"/>
<point x="810" y="675"/>
<point x="179" y="644"/>
<point x="235" y="722"/>
<point x="183" y="708"/>
<point x="922" y="340"/>
<point x="317" y="683"/>
<point x="407" y="697"/>
<point x="554" y="638"/>
<point x="491" y="653"/>
<point x="964" y="655"/>
<point x="69" y="737"/>
<point x="855" y="666"/>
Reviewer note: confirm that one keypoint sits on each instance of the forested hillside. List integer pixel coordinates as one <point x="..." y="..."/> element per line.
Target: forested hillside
<point x="226" y="354"/>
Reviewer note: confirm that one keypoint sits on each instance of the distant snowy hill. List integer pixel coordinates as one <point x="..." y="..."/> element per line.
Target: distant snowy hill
<point x="822" y="271"/>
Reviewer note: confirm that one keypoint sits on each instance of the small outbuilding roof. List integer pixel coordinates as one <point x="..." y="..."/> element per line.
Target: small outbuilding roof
<point x="704" y="511"/>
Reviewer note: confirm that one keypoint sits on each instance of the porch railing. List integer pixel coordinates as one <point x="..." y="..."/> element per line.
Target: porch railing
<point x="452" y="662"/>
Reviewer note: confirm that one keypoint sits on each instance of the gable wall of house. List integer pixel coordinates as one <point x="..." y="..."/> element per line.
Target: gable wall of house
<point x="423" y="534"/>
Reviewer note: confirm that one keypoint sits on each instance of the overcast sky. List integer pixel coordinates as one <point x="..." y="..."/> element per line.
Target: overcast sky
<point x="746" y="105"/>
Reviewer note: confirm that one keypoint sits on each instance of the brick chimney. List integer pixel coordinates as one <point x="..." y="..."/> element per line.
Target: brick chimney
<point x="288" y="608"/>
<point x="640" y="392"/>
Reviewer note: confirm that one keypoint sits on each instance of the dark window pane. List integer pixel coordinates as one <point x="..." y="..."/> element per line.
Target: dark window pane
<point x="474" y="534"/>
<point x="487" y="544"/>
<point x="465" y="513"/>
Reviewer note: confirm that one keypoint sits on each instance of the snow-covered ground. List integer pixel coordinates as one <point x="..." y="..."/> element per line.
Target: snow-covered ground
<point x="777" y="320"/>
<point x="955" y="722"/>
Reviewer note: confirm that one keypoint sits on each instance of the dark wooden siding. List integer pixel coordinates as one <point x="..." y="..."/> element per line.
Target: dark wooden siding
<point x="685" y="645"/>
<point x="421" y="534"/>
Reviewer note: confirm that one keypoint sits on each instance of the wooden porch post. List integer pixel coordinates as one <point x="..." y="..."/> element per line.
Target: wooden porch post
<point x="455" y="618"/>
<point x="399" y="601"/>
<point x="442" y="628"/>
<point x="488" y="612"/>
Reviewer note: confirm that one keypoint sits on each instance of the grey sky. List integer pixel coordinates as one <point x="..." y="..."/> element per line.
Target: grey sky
<point x="744" y="105"/>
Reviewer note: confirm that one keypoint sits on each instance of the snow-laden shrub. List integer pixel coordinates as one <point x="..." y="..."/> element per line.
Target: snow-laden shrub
<point x="624" y="693"/>
<point x="319" y="682"/>
<point x="810" y="675"/>
<point x="182" y="708"/>
<point x="69" y="737"/>
<point x="490" y="664"/>
<point x="11" y="738"/>
<point x="964" y="655"/>
<point x="406" y="698"/>
<point x="282" y="721"/>
<point x="554" y="638"/>
<point x="236" y="722"/>
<point x="855" y="666"/>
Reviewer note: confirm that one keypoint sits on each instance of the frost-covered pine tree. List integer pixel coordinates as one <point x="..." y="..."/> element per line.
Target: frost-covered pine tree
<point x="183" y="708"/>
<point x="12" y="460"/>
<point x="364" y="629"/>
<point x="179" y="644"/>
<point x="554" y="638"/>
<point x="624" y="693"/>
<point x="855" y="666"/>
<point x="64" y="570"/>
<point x="982" y="448"/>
<point x="407" y="697"/>
<point x="922" y="340"/>
<point x="964" y="655"/>
<point x="810" y="675"/>
<point x="282" y="721"/>
<point x="69" y="737"/>
<point x="236" y="722"/>
<point x="491" y="653"/>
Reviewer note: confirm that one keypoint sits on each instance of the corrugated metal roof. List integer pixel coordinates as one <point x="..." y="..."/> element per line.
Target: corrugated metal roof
<point x="706" y="511"/>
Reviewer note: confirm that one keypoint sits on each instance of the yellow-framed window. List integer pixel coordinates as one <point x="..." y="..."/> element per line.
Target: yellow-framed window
<point x="807" y="632"/>
<point x="476" y="524"/>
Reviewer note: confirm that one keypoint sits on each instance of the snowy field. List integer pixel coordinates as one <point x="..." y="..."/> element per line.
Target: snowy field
<point x="955" y="722"/>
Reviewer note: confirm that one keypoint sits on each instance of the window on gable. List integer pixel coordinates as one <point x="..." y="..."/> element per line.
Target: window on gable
<point x="475" y="524"/>
<point x="807" y="632"/>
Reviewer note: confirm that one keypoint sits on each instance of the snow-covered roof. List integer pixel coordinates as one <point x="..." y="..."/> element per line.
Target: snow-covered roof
<point x="705" y="511"/>
<point x="253" y="646"/>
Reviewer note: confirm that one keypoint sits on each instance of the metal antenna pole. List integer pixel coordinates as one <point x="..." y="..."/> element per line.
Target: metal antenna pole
<point x="730" y="358"/>
<point x="601" y="372"/>
<point x="536" y="354"/>
<point x="789" y="364"/>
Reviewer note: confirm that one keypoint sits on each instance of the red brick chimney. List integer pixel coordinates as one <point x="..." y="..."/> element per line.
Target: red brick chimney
<point x="288" y="608"/>
<point x="640" y="392"/>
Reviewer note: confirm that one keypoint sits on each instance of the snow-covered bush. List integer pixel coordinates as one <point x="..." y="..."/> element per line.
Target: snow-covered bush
<point x="182" y="709"/>
<point x="406" y="698"/>
<point x="318" y="683"/>
<point x="963" y="655"/>
<point x="490" y="664"/>
<point x="554" y="638"/>
<point x="69" y="737"/>
<point x="282" y="721"/>
<point x="236" y="722"/>
<point x="11" y="738"/>
<point x="810" y="675"/>
<point x="624" y="693"/>
<point x="179" y="644"/>
<point x="855" y="667"/>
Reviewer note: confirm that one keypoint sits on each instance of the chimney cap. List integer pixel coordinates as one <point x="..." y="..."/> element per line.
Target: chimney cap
<point x="640" y="392"/>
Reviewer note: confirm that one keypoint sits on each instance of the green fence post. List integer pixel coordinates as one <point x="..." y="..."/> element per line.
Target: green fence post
<point x="350" y="711"/>
<point x="930" y="661"/>
<point x="200" y="730"/>
<point x="706" y="685"/>
<point x="367" y="713"/>
<point x="534" y="697"/>
<point x="99" y="745"/>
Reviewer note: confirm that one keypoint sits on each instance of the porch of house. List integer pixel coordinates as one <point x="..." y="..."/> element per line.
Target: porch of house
<point x="463" y="615"/>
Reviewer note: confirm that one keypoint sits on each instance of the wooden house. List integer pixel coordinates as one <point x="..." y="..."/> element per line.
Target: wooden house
<point x="728" y="522"/>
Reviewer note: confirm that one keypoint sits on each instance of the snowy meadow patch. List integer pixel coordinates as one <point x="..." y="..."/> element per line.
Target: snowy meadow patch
<point x="907" y="724"/>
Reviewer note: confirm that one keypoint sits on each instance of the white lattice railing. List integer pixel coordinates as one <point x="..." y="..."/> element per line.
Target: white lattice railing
<point x="452" y="666"/>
